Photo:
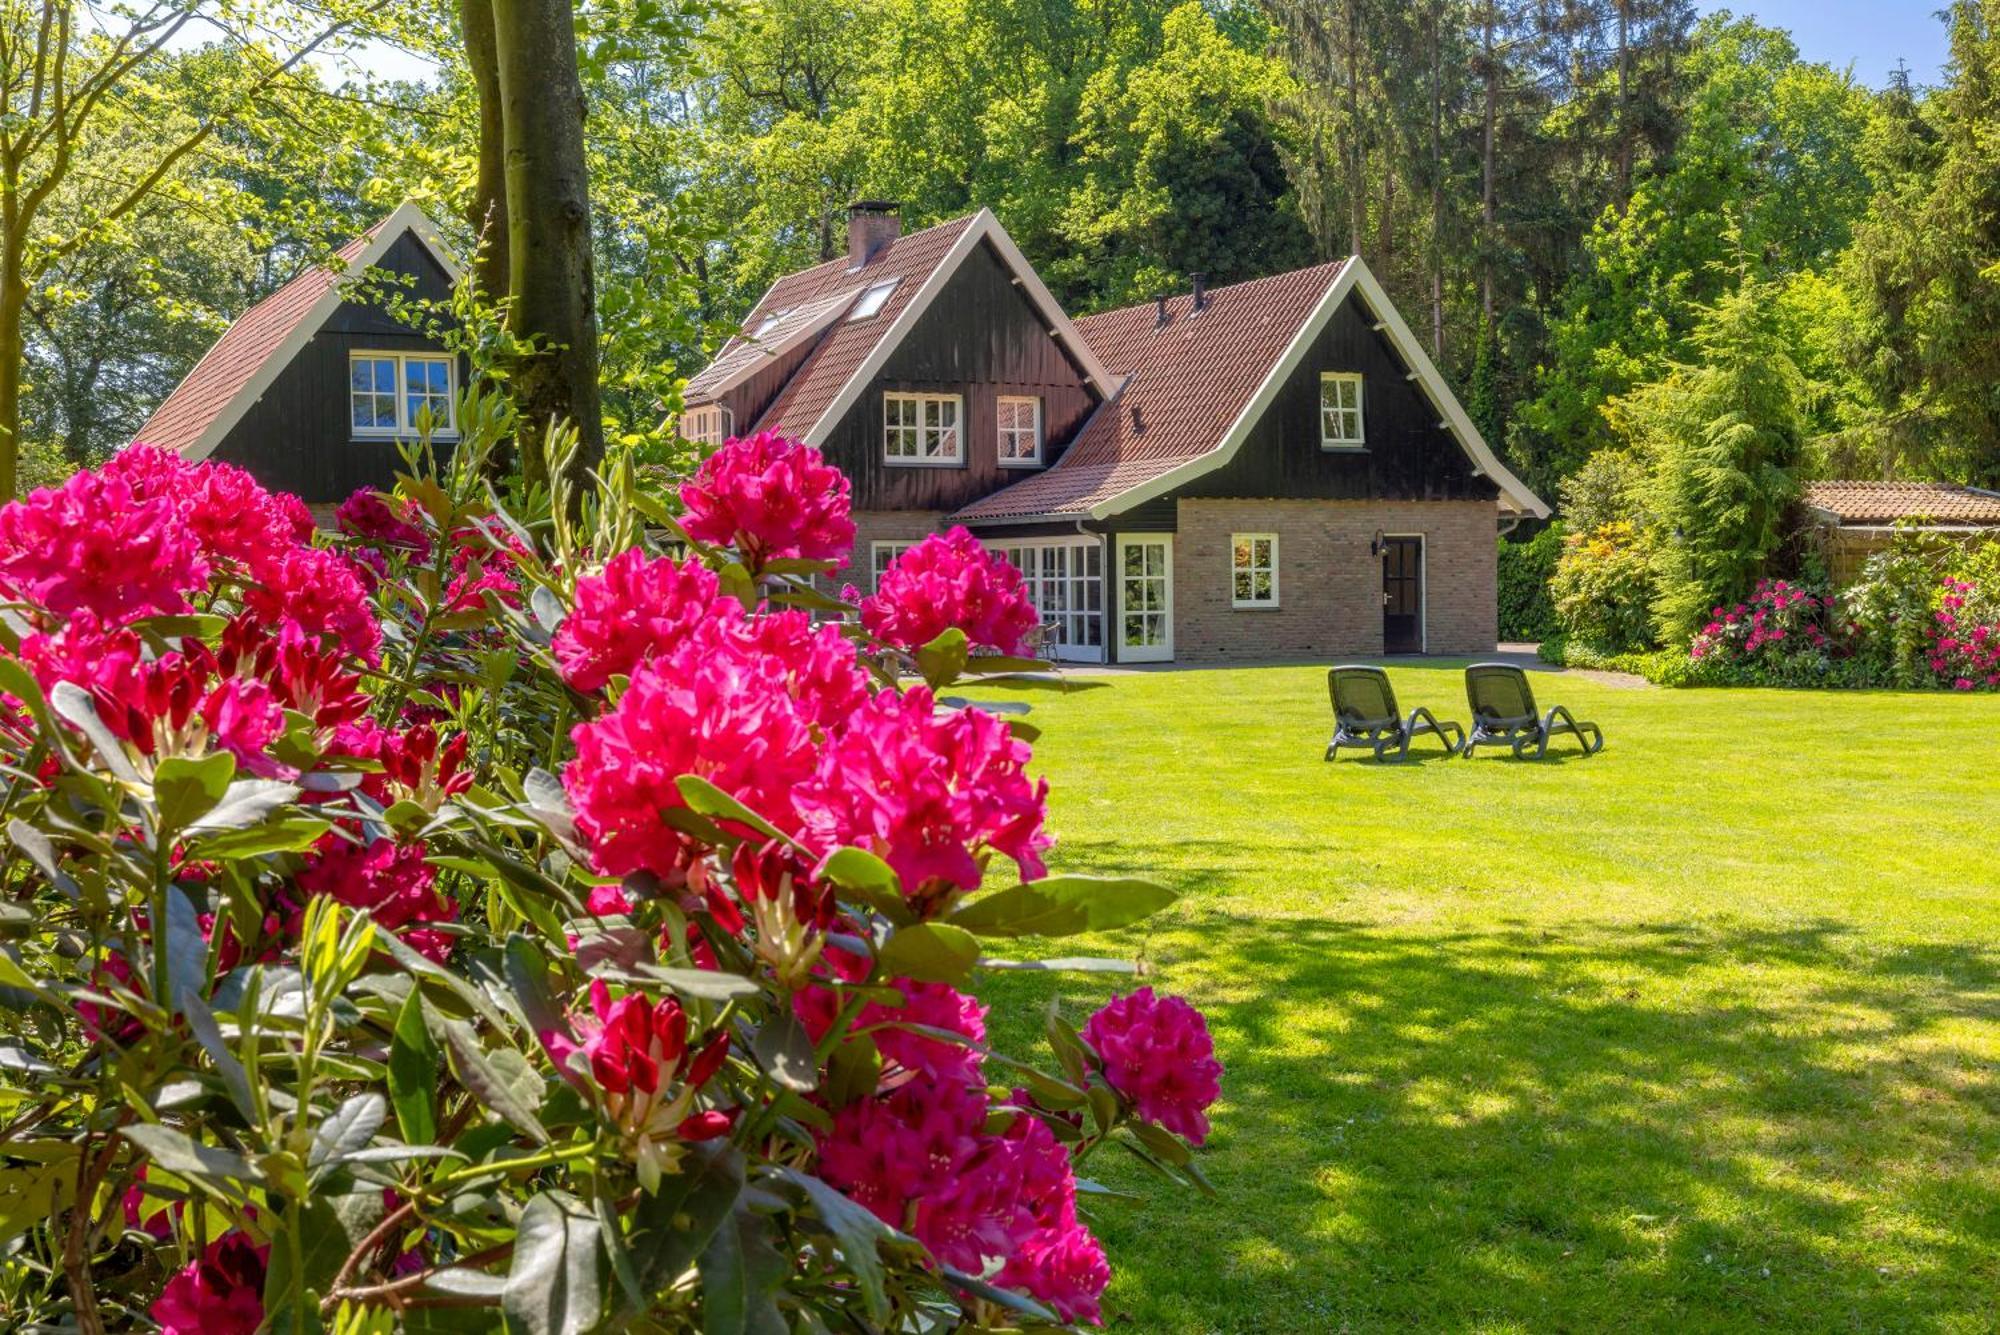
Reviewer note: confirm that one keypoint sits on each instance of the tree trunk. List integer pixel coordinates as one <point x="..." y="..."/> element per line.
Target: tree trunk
<point x="13" y="352"/>
<point x="488" y="211"/>
<point x="1491" y="74"/>
<point x="551" y="281"/>
<point x="1624" y="105"/>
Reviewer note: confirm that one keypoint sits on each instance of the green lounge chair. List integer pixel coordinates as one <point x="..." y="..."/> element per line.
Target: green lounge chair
<point x="1503" y="712"/>
<point x="1365" y="714"/>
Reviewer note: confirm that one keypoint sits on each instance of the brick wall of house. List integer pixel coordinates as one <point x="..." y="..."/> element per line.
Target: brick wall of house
<point x="1329" y="587"/>
<point x="873" y="526"/>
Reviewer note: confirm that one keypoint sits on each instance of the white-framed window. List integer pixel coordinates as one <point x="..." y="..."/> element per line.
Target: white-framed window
<point x="872" y="301"/>
<point x="1020" y="431"/>
<point x="881" y="555"/>
<point x="1340" y="411"/>
<point x="388" y="393"/>
<point x="1253" y="570"/>
<point x="705" y="424"/>
<point x="923" y="429"/>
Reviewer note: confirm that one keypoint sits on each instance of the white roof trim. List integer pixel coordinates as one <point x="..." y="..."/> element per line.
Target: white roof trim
<point x="408" y="217"/>
<point x="983" y="227"/>
<point x="1353" y="275"/>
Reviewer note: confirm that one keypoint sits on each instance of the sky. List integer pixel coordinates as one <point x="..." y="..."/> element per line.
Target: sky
<point x="1868" y="34"/>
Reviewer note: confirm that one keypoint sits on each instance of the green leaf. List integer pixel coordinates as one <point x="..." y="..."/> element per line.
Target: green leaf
<point x="527" y="970"/>
<point x="999" y="1297"/>
<point x="350" y="1128"/>
<point x="291" y="835"/>
<point x="701" y="984"/>
<point x="1070" y="1053"/>
<point x="858" y="1234"/>
<point x="413" y="1073"/>
<point x="944" y="658"/>
<point x="1064" y="906"/>
<point x="672" y="1226"/>
<point x="185" y="789"/>
<point x="244" y="803"/>
<point x="785" y="1051"/>
<point x="740" y="1274"/>
<point x="209" y="1034"/>
<point x="705" y="799"/>
<point x="76" y="707"/>
<point x="554" y="1286"/>
<point x="491" y="1081"/>
<point x="869" y="879"/>
<point x="187" y="949"/>
<point x="175" y="1153"/>
<point x="930" y="952"/>
<point x="853" y="1071"/>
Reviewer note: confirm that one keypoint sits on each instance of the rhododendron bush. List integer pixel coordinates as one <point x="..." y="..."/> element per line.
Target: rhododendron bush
<point x="555" y="919"/>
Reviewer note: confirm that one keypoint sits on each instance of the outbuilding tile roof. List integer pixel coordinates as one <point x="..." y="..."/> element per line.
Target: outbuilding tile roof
<point x="1889" y="502"/>
<point x="839" y="354"/>
<point x="1188" y="381"/>
<point x="242" y="350"/>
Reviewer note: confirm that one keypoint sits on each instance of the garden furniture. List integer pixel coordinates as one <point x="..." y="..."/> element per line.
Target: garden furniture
<point x="1365" y="714"/>
<point x="1503" y="712"/>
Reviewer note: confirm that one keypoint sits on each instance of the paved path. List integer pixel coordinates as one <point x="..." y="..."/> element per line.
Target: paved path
<point x="1520" y="655"/>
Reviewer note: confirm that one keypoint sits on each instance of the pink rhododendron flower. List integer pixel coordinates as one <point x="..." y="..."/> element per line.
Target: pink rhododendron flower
<point x="817" y="662"/>
<point x="228" y="511"/>
<point x="950" y="580"/>
<point x="317" y="591"/>
<point x="771" y="499"/>
<point x="907" y="1054"/>
<point x="1157" y="1053"/>
<point x="638" y="1059"/>
<point x="482" y="563"/>
<point x="930" y="793"/>
<point x="368" y="515"/>
<point x="1063" y="1267"/>
<point x="726" y="716"/>
<point x="417" y="764"/>
<point x="220" y="1294"/>
<point x="91" y="546"/>
<point x="632" y="609"/>
<point x="389" y="879"/>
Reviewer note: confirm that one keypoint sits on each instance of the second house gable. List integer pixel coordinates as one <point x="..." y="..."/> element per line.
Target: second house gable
<point x="981" y="348"/>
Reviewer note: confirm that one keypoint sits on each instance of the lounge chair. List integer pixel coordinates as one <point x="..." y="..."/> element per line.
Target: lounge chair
<point x="1365" y="714"/>
<point x="1503" y="712"/>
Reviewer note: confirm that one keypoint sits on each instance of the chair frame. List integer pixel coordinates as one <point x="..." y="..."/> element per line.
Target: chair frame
<point x="1379" y="734"/>
<point x="1524" y="730"/>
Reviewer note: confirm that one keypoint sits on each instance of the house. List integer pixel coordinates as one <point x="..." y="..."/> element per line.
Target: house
<point x="1856" y="519"/>
<point x="1269" y="469"/>
<point x="312" y="388"/>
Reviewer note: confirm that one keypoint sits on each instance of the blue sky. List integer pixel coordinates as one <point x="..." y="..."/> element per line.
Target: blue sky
<point x="1868" y="34"/>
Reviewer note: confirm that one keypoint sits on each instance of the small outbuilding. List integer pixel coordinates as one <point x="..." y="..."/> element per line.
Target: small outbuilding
<point x="1857" y="519"/>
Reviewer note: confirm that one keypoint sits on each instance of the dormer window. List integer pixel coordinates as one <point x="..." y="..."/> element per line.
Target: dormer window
<point x="1340" y="426"/>
<point x="394" y="395"/>
<point x="705" y="424"/>
<point x="873" y="300"/>
<point x="1020" y="431"/>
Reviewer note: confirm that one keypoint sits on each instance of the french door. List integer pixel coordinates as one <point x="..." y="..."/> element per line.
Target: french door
<point x="1403" y="595"/>
<point x="1145" y="597"/>
<point x="1065" y="580"/>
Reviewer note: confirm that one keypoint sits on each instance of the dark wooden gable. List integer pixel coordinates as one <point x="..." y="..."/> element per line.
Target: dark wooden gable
<point x="296" y="436"/>
<point x="981" y="337"/>
<point x="1410" y="457"/>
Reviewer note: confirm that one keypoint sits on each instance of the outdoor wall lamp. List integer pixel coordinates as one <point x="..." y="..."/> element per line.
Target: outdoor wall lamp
<point x="1375" y="544"/>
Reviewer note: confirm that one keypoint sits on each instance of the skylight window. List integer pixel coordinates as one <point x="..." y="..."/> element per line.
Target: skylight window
<point x="873" y="300"/>
<point x="765" y="325"/>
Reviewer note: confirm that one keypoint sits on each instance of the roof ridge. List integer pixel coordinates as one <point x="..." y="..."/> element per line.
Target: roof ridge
<point x="1149" y="303"/>
<point x="841" y="260"/>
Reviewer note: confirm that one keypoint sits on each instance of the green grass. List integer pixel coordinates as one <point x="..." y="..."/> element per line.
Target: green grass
<point x="1702" y="1033"/>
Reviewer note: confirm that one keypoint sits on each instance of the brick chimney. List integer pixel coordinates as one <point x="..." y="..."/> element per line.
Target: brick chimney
<point x="871" y="225"/>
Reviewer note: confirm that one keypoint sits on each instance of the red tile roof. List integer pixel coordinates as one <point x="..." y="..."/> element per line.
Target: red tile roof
<point x="1189" y="381"/>
<point x="763" y="342"/>
<point x="242" y="350"/>
<point x="839" y="354"/>
<point x="1888" y="502"/>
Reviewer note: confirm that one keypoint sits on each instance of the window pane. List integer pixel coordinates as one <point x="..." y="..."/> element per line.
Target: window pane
<point x="1261" y="582"/>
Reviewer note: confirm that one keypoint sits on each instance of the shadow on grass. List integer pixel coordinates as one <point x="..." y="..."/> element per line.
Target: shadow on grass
<point x="1674" y="1125"/>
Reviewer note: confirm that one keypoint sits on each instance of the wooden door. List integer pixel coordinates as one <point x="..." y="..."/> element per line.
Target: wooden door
<point x="1402" y="595"/>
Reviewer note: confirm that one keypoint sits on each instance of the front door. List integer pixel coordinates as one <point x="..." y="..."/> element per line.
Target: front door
<point x="1402" y="595"/>
<point x="1145" y="597"/>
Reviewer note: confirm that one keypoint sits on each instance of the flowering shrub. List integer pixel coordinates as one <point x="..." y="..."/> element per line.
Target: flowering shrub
<point x="1781" y="621"/>
<point x="1965" y="650"/>
<point x="1603" y="589"/>
<point x="489" y="913"/>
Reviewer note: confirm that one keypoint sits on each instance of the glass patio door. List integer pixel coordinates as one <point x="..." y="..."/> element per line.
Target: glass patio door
<point x="1145" y="597"/>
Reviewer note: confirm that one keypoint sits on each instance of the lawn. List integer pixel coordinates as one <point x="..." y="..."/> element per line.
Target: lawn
<point x="1698" y="1034"/>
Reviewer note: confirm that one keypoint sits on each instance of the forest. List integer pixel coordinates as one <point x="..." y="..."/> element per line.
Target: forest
<point x="1579" y="202"/>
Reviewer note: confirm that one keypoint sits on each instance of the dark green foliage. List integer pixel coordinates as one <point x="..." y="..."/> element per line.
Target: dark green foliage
<point x="1527" y="612"/>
